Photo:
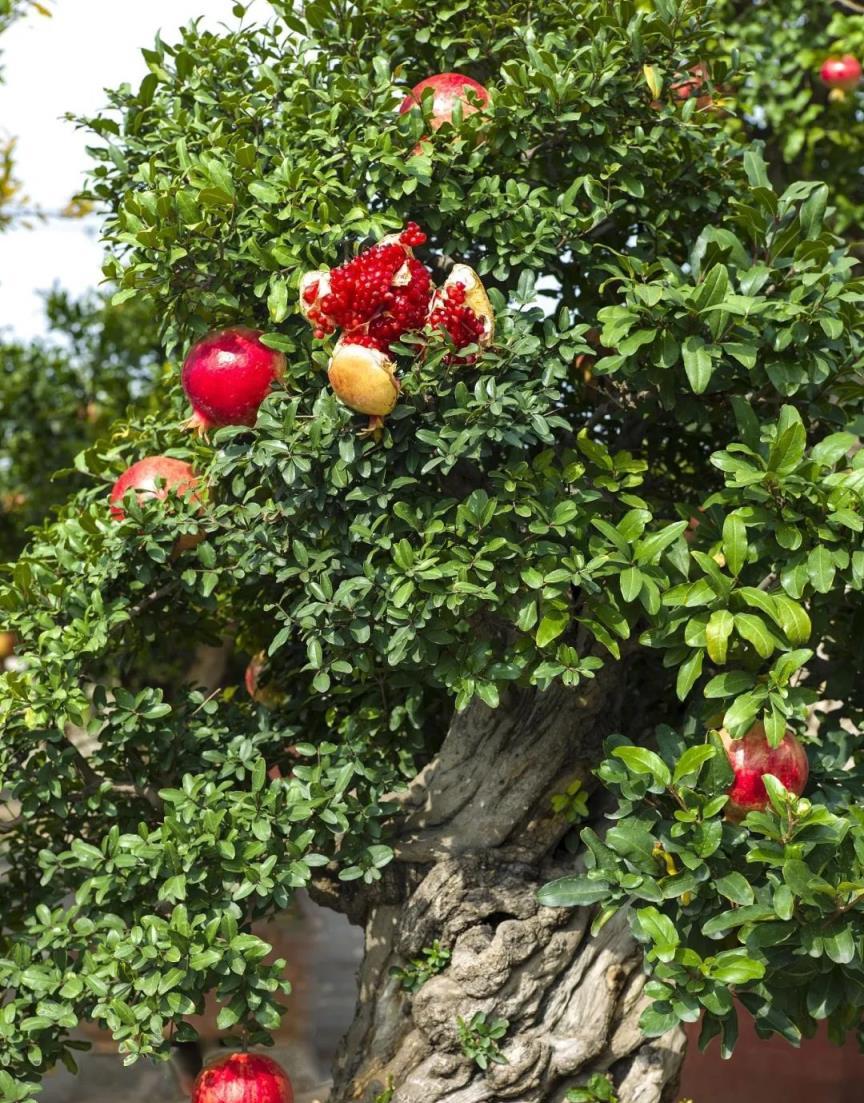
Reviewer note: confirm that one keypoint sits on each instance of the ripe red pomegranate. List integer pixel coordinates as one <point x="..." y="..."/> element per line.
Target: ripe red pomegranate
<point x="227" y="376"/>
<point x="380" y="295"/>
<point x="842" y="72"/>
<point x="243" y="1078"/>
<point x="751" y="758"/>
<point x="462" y="308"/>
<point x="448" y="90"/>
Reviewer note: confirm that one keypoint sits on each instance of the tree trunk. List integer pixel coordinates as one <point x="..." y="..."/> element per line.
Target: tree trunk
<point x="477" y="842"/>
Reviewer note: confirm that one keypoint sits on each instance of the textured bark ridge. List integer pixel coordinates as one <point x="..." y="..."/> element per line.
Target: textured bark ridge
<point x="475" y="848"/>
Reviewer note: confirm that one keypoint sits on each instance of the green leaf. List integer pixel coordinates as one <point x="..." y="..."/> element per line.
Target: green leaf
<point x="754" y="630"/>
<point x="735" y="543"/>
<point x="631" y="583"/>
<point x="661" y="931"/>
<point x="642" y="761"/>
<point x="692" y="761"/>
<point x="735" y="887"/>
<point x="572" y="892"/>
<point x="552" y="626"/>
<point x="697" y="363"/>
<point x="688" y="674"/>
<point x="717" y="632"/>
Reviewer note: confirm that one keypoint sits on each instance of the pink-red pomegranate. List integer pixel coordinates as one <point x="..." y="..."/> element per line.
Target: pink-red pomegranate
<point x="380" y="295"/>
<point x="267" y="695"/>
<point x="157" y="477"/>
<point x="462" y="308"/>
<point x="243" y="1078"/>
<point x="448" y="90"/>
<point x="693" y="84"/>
<point x="227" y="376"/>
<point x="843" y="73"/>
<point x="153" y="477"/>
<point x="751" y="758"/>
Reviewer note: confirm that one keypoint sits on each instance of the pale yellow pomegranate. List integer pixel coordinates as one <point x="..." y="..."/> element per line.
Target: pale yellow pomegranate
<point x="363" y="378"/>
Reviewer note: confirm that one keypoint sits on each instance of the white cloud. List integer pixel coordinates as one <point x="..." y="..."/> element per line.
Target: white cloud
<point x="60" y="65"/>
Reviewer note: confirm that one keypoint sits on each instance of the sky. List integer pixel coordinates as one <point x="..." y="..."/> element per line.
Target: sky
<point x="63" y="64"/>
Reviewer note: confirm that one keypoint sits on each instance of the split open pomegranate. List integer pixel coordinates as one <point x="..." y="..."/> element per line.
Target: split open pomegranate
<point x="381" y="294"/>
<point x="377" y="298"/>
<point x="462" y="309"/>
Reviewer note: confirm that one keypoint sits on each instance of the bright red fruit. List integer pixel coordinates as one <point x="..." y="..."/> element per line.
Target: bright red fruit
<point x="175" y="476"/>
<point x="842" y="72"/>
<point x="227" y="376"/>
<point x="448" y="89"/>
<point x="243" y="1078"/>
<point x="751" y="758"/>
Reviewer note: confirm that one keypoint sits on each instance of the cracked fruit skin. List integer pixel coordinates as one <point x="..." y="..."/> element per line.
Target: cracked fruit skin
<point x="228" y="374"/>
<point x="243" y="1078"/>
<point x="448" y="90"/>
<point x="751" y="758"/>
<point x="842" y="72"/>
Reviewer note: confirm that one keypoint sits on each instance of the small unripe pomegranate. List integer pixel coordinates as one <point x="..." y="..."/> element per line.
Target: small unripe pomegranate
<point x="7" y="645"/>
<point x="462" y="308"/>
<point x="751" y="758"/>
<point x="243" y="1078"/>
<point x="363" y="377"/>
<point x="449" y="89"/>
<point x="227" y="376"/>
<point x="842" y="72"/>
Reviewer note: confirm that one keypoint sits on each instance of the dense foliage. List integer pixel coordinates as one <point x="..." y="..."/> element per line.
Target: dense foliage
<point x="521" y="521"/>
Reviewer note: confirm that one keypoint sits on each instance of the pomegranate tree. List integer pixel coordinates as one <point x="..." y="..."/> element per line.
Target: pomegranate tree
<point x="497" y="645"/>
<point x="751" y="758"/>
<point x="227" y="375"/>
<point x="243" y="1078"/>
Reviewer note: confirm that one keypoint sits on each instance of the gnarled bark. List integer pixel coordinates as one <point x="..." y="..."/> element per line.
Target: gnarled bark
<point x="476" y="844"/>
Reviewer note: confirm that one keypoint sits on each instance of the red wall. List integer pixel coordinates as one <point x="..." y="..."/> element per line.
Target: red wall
<point x="773" y="1071"/>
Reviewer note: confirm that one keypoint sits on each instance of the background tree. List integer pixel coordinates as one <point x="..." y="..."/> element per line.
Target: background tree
<point x="61" y="393"/>
<point x="495" y="619"/>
